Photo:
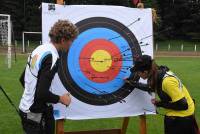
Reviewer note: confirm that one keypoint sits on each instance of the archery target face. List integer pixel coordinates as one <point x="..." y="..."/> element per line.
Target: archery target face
<point x="98" y="60"/>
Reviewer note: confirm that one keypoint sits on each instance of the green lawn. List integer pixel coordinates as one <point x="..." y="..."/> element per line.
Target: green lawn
<point x="188" y="69"/>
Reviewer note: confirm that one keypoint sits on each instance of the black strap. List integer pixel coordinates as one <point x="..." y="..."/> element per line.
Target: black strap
<point x="10" y="101"/>
<point x="21" y="78"/>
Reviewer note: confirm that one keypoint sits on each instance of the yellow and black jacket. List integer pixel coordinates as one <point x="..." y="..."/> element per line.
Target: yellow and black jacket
<point x="174" y="96"/>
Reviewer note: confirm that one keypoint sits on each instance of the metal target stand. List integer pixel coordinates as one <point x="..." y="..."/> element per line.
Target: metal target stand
<point x="122" y="130"/>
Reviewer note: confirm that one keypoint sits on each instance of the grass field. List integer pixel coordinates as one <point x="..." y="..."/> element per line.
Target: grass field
<point x="188" y="69"/>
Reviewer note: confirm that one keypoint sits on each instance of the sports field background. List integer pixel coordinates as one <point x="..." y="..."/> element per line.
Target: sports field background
<point x="188" y="70"/>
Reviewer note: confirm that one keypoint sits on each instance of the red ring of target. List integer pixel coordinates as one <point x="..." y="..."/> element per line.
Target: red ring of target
<point x="85" y="60"/>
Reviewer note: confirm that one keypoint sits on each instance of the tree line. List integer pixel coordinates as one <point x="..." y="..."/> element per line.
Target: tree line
<point x="177" y="19"/>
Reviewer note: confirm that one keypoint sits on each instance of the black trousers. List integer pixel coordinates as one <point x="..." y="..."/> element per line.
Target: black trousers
<point x="180" y="125"/>
<point x="49" y="120"/>
<point x="46" y="126"/>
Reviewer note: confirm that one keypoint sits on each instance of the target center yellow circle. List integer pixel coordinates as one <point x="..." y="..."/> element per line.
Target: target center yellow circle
<point x="101" y="60"/>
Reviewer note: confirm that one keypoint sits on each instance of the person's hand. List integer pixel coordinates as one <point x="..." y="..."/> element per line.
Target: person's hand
<point x="130" y="82"/>
<point x="154" y="101"/>
<point x="126" y="79"/>
<point x="65" y="99"/>
<point x="140" y="5"/>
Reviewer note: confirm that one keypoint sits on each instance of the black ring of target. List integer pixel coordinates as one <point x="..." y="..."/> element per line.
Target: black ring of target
<point x="78" y="92"/>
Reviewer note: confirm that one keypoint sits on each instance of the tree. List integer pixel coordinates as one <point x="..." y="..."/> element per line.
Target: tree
<point x="32" y="15"/>
<point x="98" y="2"/>
<point x="15" y="9"/>
<point x="181" y="16"/>
<point x="192" y="23"/>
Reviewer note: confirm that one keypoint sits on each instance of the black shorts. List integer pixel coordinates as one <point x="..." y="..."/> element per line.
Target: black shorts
<point x="46" y="126"/>
<point x="29" y="126"/>
<point x="180" y="125"/>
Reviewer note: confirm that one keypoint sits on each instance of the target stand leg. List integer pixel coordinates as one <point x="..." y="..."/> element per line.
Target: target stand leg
<point x="143" y="125"/>
<point x="60" y="126"/>
<point x="125" y="125"/>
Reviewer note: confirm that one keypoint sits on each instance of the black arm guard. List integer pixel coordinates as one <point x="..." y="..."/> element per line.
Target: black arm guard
<point x="178" y="105"/>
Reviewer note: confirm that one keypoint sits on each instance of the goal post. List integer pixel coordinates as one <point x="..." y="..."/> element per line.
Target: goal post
<point x="23" y="39"/>
<point x="5" y="35"/>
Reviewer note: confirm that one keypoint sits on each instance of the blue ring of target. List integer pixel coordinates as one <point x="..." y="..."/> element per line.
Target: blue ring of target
<point x="74" y="54"/>
<point x="69" y="80"/>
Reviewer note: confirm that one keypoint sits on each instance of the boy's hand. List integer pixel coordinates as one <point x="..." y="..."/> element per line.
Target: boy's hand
<point x="65" y="99"/>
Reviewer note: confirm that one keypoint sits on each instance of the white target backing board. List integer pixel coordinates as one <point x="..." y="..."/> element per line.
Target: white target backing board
<point x="99" y="58"/>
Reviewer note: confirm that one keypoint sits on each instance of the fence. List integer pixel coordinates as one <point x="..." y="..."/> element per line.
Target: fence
<point x="177" y="47"/>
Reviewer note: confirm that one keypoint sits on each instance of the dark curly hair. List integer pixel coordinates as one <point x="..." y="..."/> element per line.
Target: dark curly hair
<point x="63" y="29"/>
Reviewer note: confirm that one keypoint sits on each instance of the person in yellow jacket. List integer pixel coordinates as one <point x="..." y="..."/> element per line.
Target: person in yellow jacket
<point x="174" y="96"/>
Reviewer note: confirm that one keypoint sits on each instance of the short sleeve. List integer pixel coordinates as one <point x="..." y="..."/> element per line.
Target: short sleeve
<point x="170" y="85"/>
